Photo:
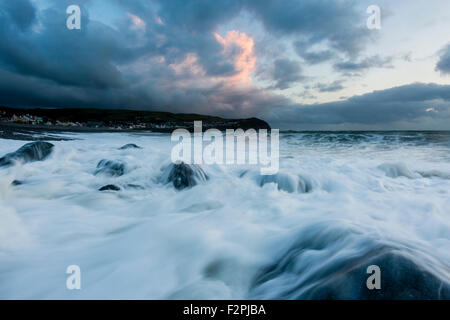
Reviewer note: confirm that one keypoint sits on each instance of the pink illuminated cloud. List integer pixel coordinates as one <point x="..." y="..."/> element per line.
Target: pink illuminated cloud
<point x="137" y="23"/>
<point x="244" y="61"/>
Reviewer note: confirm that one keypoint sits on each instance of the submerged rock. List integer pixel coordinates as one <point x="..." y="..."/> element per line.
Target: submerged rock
<point x="109" y="187"/>
<point x="183" y="175"/>
<point x="331" y="263"/>
<point x="284" y="181"/>
<point x="111" y="168"/>
<point x="395" y="170"/>
<point x="30" y="152"/>
<point x="402" y="278"/>
<point x="134" y="186"/>
<point x="130" y="146"/>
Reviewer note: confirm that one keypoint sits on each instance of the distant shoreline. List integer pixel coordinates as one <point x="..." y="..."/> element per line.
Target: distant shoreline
<point x="16" y="131"/>
<point x="19" y="120"/>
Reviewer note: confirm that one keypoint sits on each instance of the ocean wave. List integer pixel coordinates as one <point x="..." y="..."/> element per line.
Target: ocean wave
<point x="225" y="231"/>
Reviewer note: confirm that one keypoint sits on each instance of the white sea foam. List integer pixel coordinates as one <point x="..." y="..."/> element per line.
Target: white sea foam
<point x="211" y="241"/>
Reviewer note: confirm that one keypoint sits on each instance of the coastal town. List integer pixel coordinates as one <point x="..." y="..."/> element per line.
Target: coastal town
<point x="30" y="119"/>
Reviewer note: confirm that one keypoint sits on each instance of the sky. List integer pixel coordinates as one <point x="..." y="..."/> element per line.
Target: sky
<point x="298" y="64"/>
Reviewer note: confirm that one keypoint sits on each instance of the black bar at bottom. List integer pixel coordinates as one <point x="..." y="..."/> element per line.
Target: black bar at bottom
<point x="217" y="309"/>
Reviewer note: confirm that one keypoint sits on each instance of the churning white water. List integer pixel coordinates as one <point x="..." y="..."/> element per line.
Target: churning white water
<point x="337" y="198"/>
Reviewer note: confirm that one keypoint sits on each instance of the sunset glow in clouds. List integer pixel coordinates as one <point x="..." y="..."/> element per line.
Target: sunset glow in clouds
<point x="244" y="60"/>
<point x="298" y="64"/>
<point x="137" y="23"/>
<point x="237" y="49"/>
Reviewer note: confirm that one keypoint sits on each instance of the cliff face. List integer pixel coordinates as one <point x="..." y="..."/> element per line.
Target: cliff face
<point x="123" y="119"/>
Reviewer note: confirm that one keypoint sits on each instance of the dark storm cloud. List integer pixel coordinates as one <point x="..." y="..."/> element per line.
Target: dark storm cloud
<point x="285" y="73"/>
<point x="117" y="66"/>
<point x="21" y="12"/>
<point x="313" y="57"/>
<point x="171" y="60"/>
<point x="187" y="28"/>
<point x="408" y="103"/>
<point x="79" y="58"/>
<point x="366" y="63"/>
<point x="330" y="87"/>
<point x="336" y="22"/>
<point x="198" y="15"/>
<point x="443" y="65"/>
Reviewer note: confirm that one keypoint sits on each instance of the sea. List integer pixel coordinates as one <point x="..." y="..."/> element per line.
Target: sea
<point x="340" y="203"/>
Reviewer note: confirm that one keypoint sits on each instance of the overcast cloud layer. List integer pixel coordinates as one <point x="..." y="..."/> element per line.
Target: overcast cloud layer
<point x="233" y="58"/>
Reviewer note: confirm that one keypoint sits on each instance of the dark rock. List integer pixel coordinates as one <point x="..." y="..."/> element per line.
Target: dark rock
<point x="109" y="187"/>
<point x="30" y="152"/>
<point x="305" y="185"/>
<point x="134" y="186"/>
<point x="284" y="181"/>
<point x="321" y="266"/>
<point x="183" y="175"/>
<point x="402" y="278"/>
<point x="243" y="173"/>
<point x="111" y="168"/>
<point x="16" y="183"/>
<point x="130" y="146"/>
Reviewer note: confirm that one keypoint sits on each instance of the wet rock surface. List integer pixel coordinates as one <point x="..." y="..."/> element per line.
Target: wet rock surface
<point x="130" y="146"/>
<point x="30" y="152"/>
<point x="110" y="187"/>
<point x="17" y="183"/>
<point x="184" y="175"/>
<point x="110" y="168"/>
<point x="313" y="269"/>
